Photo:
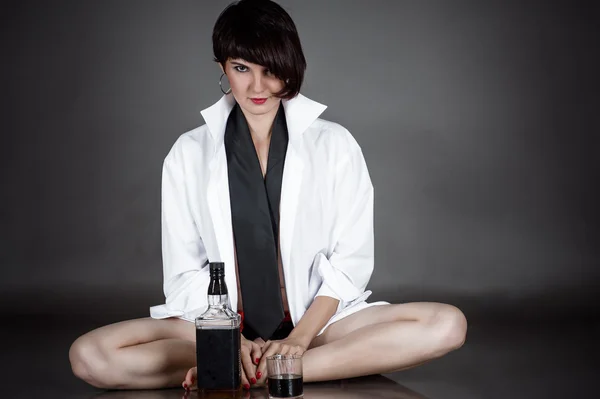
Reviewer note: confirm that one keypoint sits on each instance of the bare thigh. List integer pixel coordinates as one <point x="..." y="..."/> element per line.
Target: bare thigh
<point x="414" y="311"/>
<point x="139" y="353"/>
<point x="140" y="331"/>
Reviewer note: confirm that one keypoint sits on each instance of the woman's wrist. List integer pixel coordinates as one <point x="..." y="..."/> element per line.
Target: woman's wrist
<point x="304" y="338"/>
<point x="314" y="319"/>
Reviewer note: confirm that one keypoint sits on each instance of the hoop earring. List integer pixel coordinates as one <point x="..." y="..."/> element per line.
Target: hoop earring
<point x="221" y="85"/>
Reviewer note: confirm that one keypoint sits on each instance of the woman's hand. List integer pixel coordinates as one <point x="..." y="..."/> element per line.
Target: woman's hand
<point x="251" y="353"/>
<point x="288" y="346"/>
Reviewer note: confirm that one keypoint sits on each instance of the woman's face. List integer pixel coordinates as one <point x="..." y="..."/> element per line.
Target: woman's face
<point x="253" y="86"/>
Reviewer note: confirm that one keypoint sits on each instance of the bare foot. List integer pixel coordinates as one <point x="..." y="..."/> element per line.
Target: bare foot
<point x="191" y="378"/>
<point x="191" y="381"/>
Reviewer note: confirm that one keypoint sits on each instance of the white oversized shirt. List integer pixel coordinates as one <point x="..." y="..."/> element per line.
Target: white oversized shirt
<point x="326" y="215"/>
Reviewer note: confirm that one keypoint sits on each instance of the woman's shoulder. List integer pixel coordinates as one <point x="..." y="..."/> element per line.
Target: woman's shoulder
<point x="331" y="134"/>
<point x="191" y="143"/>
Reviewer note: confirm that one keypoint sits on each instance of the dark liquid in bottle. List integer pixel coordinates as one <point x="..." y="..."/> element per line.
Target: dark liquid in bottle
<point x="218" y="359"/>
<point x="285" y="385"/>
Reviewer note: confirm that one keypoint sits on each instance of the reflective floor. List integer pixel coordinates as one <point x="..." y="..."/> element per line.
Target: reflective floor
<point x="368" y="387"/>
<point x="501" y="359"/>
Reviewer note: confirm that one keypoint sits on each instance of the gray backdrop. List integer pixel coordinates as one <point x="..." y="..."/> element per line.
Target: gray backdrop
<point x="478" y="121"/>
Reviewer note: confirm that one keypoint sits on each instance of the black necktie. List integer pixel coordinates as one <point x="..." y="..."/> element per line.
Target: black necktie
<point x="255" y="219"/>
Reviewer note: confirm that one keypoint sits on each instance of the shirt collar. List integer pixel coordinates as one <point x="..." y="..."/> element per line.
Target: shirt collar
<point x="300" y="113"/>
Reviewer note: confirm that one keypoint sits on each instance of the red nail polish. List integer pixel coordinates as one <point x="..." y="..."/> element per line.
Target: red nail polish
<point x="246" y="386"/>
<point x="185" y="385"/>
<point x="257" y="360"/>
<point x="253" y="380"/>
<point x="258" y="374"/>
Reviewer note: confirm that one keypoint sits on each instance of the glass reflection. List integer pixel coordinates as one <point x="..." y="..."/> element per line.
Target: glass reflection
<point x="356" y="388"/>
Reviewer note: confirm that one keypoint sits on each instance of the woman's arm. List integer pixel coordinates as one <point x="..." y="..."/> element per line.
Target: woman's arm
<point x="184" y="256"/>
<point x="314" y="319"/>
<point x="346" y="271"/>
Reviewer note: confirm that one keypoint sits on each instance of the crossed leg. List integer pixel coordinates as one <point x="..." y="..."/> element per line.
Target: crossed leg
<point x="383" y="339"/>
<point x="147" y="353"/>
<point x="135" y="354"/>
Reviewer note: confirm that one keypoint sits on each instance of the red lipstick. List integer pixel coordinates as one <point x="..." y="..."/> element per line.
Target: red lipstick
<point x="258" y="100"/>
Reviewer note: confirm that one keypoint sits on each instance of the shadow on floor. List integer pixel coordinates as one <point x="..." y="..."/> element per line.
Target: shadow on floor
<point x="356" y="388"/>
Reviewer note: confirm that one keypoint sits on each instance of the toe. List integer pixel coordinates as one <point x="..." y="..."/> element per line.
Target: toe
<point x="190" y="379"/>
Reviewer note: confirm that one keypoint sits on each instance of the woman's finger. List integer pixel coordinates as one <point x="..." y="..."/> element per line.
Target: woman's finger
<point x="297" y="350"/>
<point x="261" y="373"/>
<point x="248" y="366"/>
<point x="255" y="354"/>
<point x="265" y="347"/>
<point x="284" y="350"/>
<point x="245" y="382"/>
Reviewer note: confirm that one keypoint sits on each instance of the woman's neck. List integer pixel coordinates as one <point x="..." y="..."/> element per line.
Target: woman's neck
<point x="261" y="125"/>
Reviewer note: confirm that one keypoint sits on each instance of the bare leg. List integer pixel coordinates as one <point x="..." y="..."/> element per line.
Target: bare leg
<point x="135" y="354"/>
<point x="383" y="339"/>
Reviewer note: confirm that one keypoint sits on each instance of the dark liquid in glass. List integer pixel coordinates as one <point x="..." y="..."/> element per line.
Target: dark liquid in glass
<point x="285" y="385"/>
<point x="218" y="359"/>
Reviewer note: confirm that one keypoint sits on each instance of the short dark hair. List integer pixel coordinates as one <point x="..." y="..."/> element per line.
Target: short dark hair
<point x="263" y="33"/>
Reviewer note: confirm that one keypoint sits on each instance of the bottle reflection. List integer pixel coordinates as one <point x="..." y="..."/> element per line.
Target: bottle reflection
<point x="359" y="388"/>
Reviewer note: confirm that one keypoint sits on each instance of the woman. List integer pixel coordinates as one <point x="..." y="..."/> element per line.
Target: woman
<point x="285" y="200"/>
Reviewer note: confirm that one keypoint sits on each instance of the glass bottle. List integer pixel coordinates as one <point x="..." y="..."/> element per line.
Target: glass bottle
<point x="218" y="338"/>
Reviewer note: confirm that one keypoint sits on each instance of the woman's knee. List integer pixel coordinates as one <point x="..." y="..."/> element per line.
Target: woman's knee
<point x="88" y="361"/>
<point x="450" y="326"/>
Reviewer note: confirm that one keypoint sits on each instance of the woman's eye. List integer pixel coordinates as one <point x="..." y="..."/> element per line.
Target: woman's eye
<point x="241" y="68"/>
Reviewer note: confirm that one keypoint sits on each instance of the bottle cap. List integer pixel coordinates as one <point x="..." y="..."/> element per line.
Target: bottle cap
<point x="217" y="267"/>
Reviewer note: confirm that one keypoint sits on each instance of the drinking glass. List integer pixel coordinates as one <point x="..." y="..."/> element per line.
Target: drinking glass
<point x="284" y="376"/>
